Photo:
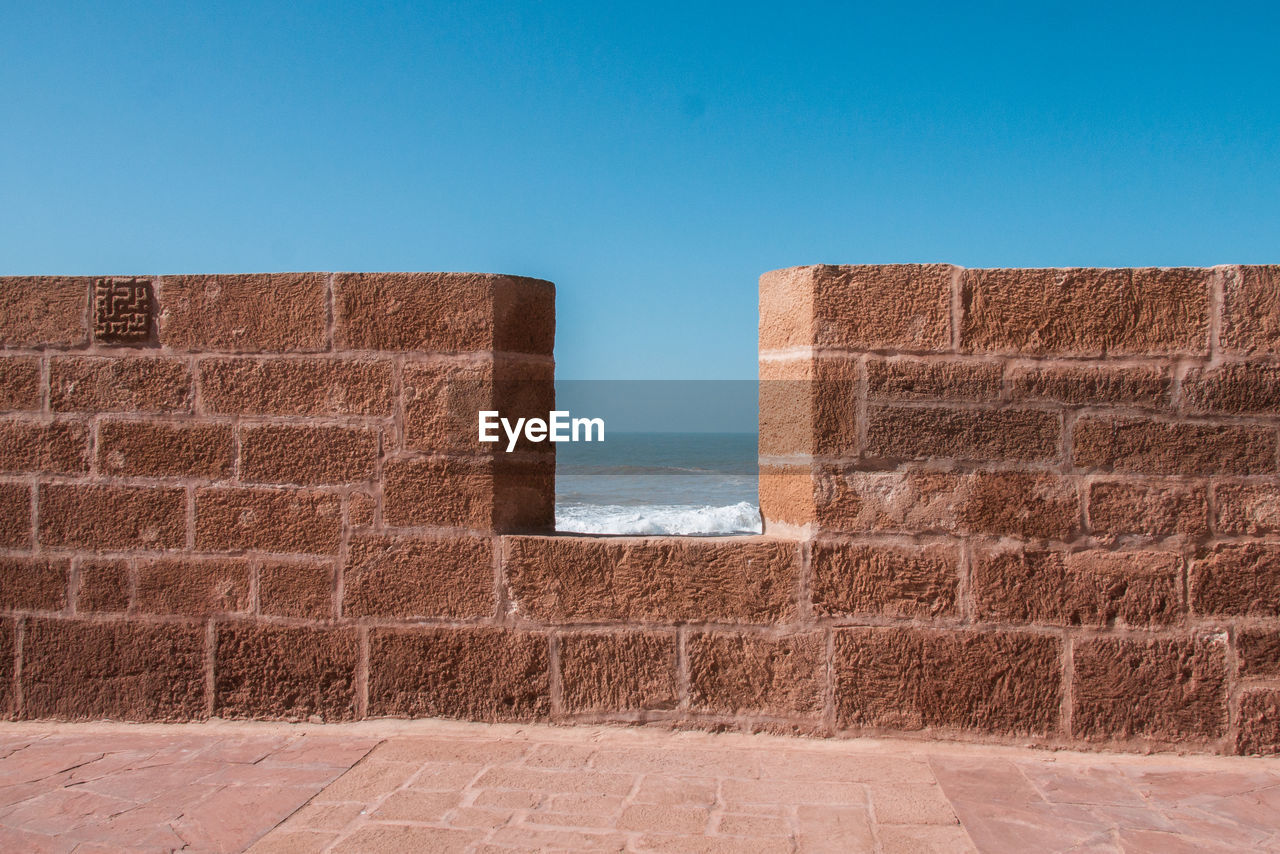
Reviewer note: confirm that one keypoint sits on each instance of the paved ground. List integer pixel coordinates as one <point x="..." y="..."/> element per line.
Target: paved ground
<point x="438" y="786"/>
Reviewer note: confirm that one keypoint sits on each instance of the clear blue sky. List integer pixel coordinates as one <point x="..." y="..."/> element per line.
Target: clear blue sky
<point x="652" y="159"/>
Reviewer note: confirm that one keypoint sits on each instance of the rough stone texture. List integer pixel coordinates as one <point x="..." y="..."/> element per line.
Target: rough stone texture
<point x="1159" y="508"/>
<point x="308" y="454"/>
<point x="1259" y="722"/>
<point x="1237" y="578"/>
<point x="443" y="312"/>
<point x="809" y="406"/>
<point x="408" y="578"/>
<point x="20" y="383"/>
<point x="8" y="668"/>
<point x="786" y="309"/>
<point x="484" y="674"/>
<point x="923" y="432"/>
<point x="163" y="449"/>
<point x="1233" y="388"/>
<point x="441" y="402"/>
<point x="296" y="386"/>
<point x="119" y="384"/>
<point x="78" y="670"/>
<point x="1047" y="506"/>
<point x="244" y="313"/>
<point x="916" y="379"/>
<point x="900" y="581"/>
<point x="1092" y="588"/>
<point x="296" y="589"/>
<point x="629" y="671"/>
<point x="1167" y="689"/>
<point x="1258" y="652"/>
<point x="270" y="520"/>
<point x="733" y="673"/>
<point x="123" y="311"/>
<point x="1091" y="385"/>
<point x="486" y="494"/>
<point x="652" y="579"/>
<point x="196" y="587"/>
<point x="1249" y="509"/>
<point x="911" y="679"/>
<point x="1251" y="310"/>
<point x="44" y="311"/>
<point x="787" y="495"/>
<point x="15" y="516"/>
<point x="105" y="585"/>
<point x="362" y="510"/>
<point x="112" y="517"/>
<point x="51" y="447"/>
<point x="33" y="583"/>
<point x="1159" y="447"/>
<point x="285" y="673"/>
<point x="1086" y="312"/>
<point x="892" y="306"/>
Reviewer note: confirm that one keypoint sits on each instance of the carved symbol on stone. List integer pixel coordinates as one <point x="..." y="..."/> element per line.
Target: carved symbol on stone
<point x="122" y="311"/>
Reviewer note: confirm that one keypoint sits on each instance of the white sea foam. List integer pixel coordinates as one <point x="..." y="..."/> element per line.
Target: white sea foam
<point x="740" y="518"/>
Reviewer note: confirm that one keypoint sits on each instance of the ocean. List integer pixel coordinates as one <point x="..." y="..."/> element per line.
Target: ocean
<point x="659" y="483"/>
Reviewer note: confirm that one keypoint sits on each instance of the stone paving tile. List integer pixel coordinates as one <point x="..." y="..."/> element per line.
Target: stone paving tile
<point x="445" y="786"/>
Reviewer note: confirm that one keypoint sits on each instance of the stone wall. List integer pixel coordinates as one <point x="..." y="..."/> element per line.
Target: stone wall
<point x="1006" y="505"/>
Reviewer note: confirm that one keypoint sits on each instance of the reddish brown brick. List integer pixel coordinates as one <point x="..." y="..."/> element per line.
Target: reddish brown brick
<point x="285" y="673"/>
<point x="296" y="386"/>
<point x="119" y="384"/>
<point x="15" y="516"/>
<point x="1237" y="578"/>
<point x="974" y="434"/>
<point x="1251" y="310"/>
<point x="78" y="670"/>
<point x="269" y="520"/>
<point x="1088" y="385"/>
<point x="1259" y="730"/>
<point x="486" y="494"/>
<point x="296" y="589"/>
<point x="34" y="583"/>
<point x="418" y="577"/>
<point x="441" y="402"/>
<point x="197" y="587"/>
<point x="904" y="378"/>
<point x="733" y="673"/>
<point x="1086" y="312"/>
<point x="1153" y="508"/>
<point x="787" y="495"/>
<point x="786" y="309"/>
<point x="653" y="579"/>
<point x="165" y="449"/>
<point x="112" y="517"/>
<point x="104" y="585"/>
<point x="1168" y="689"/>
<point x="308" y="454"/>
<point x="1249" y="509"/>
<point x="893" y="306"/>
<point x="20" y="383"/>
<point x="50" y="447"/>
<point x="1233" y="388"/>
<point x="443" y="312"/>
<point x="1022" y="504"/>
<point x="44" y="311"/>
<point x="8" y="667"/>
<point x="244" y="313"/>
<point x="809" y="406"/>
<point x="1092" y="588"/>
<point x="910" y="679"/>
<point x="901" y="581"/>
<point x="1258" y="651"/>
<point x="361" y="509"/>
<point x="618" y="672"/>
<point x="1160" y="447"/>
<point x="481" y="674"/>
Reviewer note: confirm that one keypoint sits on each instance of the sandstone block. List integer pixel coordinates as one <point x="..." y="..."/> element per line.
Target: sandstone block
<point x="1248" y="509"/>
<point x="34" y="583"/>
<point x="244" y="313"/>
<point x="414" y="578"/>
<point x="618" y="672"/>
<point x="1237" y="578"/>
<point x="308" y="454"/>
<point x="104" y="586"/>
<point x="44" y="311"/>
<point x="1258" y="651"/>
<point x="1091" y="385"/>
<point x="1158" y="508"/>
<point x="296" y="589"/>
<point x="483" y="494"/>
<point x="285" y="673"/>
<point x="914" y="581"/>
<point x="165" y="449"/>
<point x="923" y="432"/>
<point x="15" y="516"/>
<point x="1251" y="310"/>
<point x="269" y="520"/>
<point x="1159" y="447"/>
<point x="733" y="673"/>
<point x="112" y="517"/>
<point x="1259" y="722"/>
<point x="119" y="384"/>
<point x="20" y="383"/>
<point x="1233" y="388"/>
<point x="48" y="447"/>
<point x="296" y="386"/>
<point x="905" y="378"/>
<point x="442" y="402"/>
<point x="196" y="587"/>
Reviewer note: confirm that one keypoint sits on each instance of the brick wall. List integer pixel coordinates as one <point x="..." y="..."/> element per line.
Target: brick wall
<point x="1009" y="505"/>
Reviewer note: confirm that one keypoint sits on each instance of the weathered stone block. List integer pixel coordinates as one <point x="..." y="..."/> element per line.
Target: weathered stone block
<point x="1237" y="578"/>
<point x="270" y="520"/>
<point x="244" y="313"/>
<point x="82" y="670"/>
<point x="296" y="589"/>
<point x="733" y="673"/>
<point x="15" y="516"/>
<point x="308" y="454"/>
<point x="196" y="587"/>
<point x="1151" y="508"/>
<point x="47" y="447"/>
<point x="43" y="311"/>
<point x="165" y="449"/>
<point x="486" y="674"/>
<point x="480" y="493"/>
<point x="1233" y="388"/>
<point x="414" y="578"/>
<point x="1259" y="728"/>
<point x="618" y="671"/>
<point x="105" y="585"/>
<point x="288" y="385"/>
<point x="285" y="673"/>
<point x="1251" y="310"/>
<point x="34" y="583"/>
<point x="125" y="383"/>
<point x="906" y="378"/>
<point x="20" y="383"/>
<point x="923" y="432"/>
<point x="1091" y="385"/>
<point x="1248" y="509"/>
<point x="1258" y="651"/>
<point x="112" y="517"/>
<point x="442" y="400"/>
<point x="1168" y="689"/>
<point x="899" y="581"/>
<point x="1160" y="447"/>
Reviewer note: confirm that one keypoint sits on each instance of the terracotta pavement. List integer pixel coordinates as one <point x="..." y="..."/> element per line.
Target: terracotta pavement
<point x="423" y="786"/>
